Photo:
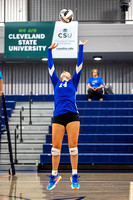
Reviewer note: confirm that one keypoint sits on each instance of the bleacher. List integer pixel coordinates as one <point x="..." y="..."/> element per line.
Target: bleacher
<point x="12" y="99"/>
<point x="106" y="132"/>
<point x="10" y="105"/>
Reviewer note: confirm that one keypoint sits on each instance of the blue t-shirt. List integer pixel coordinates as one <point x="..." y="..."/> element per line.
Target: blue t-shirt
<point x="95" y="82"/>
<point x="65" y="91"/>
<point x="1" y="77"/>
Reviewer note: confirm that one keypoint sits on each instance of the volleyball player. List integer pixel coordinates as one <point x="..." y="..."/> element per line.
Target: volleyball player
<point x="65" y="117"/>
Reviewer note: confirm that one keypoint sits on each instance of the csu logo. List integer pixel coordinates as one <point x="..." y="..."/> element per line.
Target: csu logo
<point x="65" y="34"/>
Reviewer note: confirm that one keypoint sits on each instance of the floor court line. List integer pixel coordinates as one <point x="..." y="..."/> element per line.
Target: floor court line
<point x="69" y="181"/>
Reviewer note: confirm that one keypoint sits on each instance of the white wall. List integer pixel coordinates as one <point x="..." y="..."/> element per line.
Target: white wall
<point x="1" y="10"/>
<point x="129" y="14"/>
<point x="13" y="10"/>
<point x="2" y="28"/>
<point x="107" y="37"/>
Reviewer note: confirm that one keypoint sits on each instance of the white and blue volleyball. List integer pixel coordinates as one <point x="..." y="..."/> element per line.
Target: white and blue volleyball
<point x="66" y="15"/>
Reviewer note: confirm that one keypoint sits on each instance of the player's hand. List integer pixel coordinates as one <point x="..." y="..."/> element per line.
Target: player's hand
<point x="53" y="46"/>
<point x="83" y="43"/>
<point x="1" y="93"/>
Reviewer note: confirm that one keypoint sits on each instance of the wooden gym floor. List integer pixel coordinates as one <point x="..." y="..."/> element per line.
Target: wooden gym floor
<point x="93" y="186"/>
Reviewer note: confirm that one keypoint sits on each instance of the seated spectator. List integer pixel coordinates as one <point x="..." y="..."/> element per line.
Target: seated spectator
<point x="95" y="85"/>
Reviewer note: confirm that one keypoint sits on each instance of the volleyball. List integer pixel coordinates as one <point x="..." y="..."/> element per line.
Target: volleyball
<point x="66" y="15"/>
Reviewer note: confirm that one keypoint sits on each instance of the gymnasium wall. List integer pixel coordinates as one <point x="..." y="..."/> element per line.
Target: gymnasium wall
<point x="13" y="10"/>
<point x="21" y="78"/>
<point x="2" y="29"/>
<point x="48" y="10"/>
<point x="92" y="10"/>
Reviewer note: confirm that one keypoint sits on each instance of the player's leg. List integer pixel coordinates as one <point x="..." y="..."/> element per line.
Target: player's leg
<point x="73" y="134"/>
<point x="58" y="131"/>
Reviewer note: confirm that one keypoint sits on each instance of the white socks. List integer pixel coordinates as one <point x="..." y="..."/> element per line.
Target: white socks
<point x="54" y="172"/>
<point x="74" y="171"/>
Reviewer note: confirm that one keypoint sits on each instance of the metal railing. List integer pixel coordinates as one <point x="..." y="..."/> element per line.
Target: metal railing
<point x="21" y="125"/>
<point x="16" y="136"/>
<point x="15" y="142"/>
<point x="8" y="137"/>
<point x="30" y="102"/>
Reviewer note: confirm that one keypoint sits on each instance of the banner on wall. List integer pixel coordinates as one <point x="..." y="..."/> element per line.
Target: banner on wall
<point x="32" y="39"/>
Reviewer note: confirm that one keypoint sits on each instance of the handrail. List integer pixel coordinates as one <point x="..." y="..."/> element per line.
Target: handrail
<point x="30" y="102"/>
<point x="8" y="136"/>
<point x="15" y="139"/>
<point x="21" y="118"/>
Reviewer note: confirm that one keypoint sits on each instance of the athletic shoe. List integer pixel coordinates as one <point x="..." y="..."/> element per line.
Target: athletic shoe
<point x="74" y="180"/>
<point x="53" y="181"/>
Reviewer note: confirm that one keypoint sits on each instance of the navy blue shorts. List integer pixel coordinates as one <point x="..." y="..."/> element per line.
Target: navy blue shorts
<point x="65" y="118"/>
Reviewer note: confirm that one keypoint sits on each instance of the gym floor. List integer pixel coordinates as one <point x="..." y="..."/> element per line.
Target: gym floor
<point x="93" y="186"/>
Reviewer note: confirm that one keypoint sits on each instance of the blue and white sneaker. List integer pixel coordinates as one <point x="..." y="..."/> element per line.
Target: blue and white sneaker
<point x="75" y="182"/>
<point x="53" y="181"/>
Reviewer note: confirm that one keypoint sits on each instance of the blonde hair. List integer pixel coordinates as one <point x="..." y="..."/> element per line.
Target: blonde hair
<point x="93" y="71"/>
<point x="70" y="76"/>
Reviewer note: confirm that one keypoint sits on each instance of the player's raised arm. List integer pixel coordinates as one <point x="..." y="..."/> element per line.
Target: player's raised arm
<point x="77" y="73"/>
<point x="51" y="68"/>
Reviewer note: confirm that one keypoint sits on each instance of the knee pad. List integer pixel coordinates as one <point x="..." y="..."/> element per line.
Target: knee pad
<point x="55" y="152"/>
<point x="73" y="151"/>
